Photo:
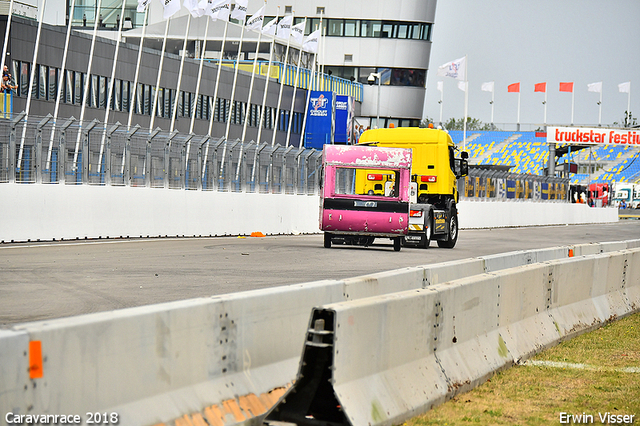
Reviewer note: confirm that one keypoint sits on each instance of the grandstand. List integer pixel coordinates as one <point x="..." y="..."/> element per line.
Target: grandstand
<point x="528" y="153"/>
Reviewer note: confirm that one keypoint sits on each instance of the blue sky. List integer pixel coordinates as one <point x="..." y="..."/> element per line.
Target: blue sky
<point x="553" y="41"/>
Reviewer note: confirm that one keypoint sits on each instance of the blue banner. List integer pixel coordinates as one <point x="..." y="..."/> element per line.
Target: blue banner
<point x="319" y="128"/>
<point x="511" y="189"/>
<point x="344" y="118"/>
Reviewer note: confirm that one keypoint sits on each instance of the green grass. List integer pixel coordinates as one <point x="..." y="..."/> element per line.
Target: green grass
<point x="536" y="395"/>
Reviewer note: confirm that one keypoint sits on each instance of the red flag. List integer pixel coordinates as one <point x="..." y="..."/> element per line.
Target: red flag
<point x="566" y="87"/>
<point x="515" y="87"/>
<point x="540" y="87"/>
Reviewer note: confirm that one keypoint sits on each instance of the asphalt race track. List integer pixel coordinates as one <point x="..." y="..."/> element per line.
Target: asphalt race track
<point x="40" y="281"/>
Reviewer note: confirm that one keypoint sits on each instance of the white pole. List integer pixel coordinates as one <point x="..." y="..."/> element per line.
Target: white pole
<point x="110" y="93"/>
<point x="184" y="54"/>
<point x="572" y="103"/>
<point x="283" y="75"/>
<point x="155" y="97"/>
<point x="266" y="85"/>
<point x="324" y="47"/>
<point x="6" y="35"/>
<point x="518" y="115"/>
<point x="493" y="103"/>
<point x="466" y="103"/>
<point x="86" y="87"/>
<point x="441" y="102"/>
<point x="600" y="109"/>
<point x="545" y="105"/>
<point x="295" y="87"/>
<point x="31" y="80"/>
<point x="204" y="49"/>
<point x="253" y="75"/>
<point x="629" y="100"/>
<point x="306" y="107"/>
<point x="235" y="80"/>
<point x="215" y="91"/>
<point x="60" y="82"/>
<point x="132" y="92"/>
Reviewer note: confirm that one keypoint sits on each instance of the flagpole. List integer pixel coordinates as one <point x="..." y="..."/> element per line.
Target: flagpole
<point x="466" y="102"/>
<point x="518" y="116"/>
<point x="155" y="97"/>
<point x="629" y="100"/>
<point x="253" y="75"/>
<point x="600" y="110"/>
<point x="306" y="106"/>
<point x="204" y="49"/>
<point x="60" y="82"/>
<point x="295" y="87"/>
<point x="267" y="78"/>
<point x="215" y="91"/>
<point x="572" y="103"/>
<point x="132" y="93"/>
<point x="235" y="79"/>
<point x="493" y="97"/>
<point x="6" y="34"/>
<point x="545" y="105"/>
<point x="110" y="91"/>
<point x="441" y="102"/>
<point x="31" y="80"/>
<point x="184" y="54"/>
<point x="283" y="76"/>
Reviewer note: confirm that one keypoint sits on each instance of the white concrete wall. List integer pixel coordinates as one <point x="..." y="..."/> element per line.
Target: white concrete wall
<point x="48" y="212"/>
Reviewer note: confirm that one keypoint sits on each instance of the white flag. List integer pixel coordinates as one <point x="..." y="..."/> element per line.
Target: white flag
<point x="488" y="87"/>
<point x="624" y="87"/>
<point x="255" y="22"/>
<point x="284" y="27"/>
<point x="193" y="8"/>
<point x="297" y="32"/>
<point x="240" y="11"/>
<point x="462" y="85"/>
<point x="270" y="28"/>
<point x="216" y="9"/>
<point x="455" y="69"/>
<point x="142" y="5"/>
<point x="171" y="7"/>
<point x="311" y="42"/>
<point x="595" y="87"/>
<point x="441" y="86"/>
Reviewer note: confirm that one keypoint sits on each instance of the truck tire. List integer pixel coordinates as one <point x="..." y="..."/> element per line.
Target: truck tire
<point x="427" y="232"/>
<point x="452" y="238"/>
<point x="327" y="240"/>
<point x="397" y="243"/>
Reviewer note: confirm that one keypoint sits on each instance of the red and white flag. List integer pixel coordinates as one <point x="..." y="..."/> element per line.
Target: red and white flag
<point x="566" y="87"/>
<point x="514" y="88"/>
<point x="540" y="87"/>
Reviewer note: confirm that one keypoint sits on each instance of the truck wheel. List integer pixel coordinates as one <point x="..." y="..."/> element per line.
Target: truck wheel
<point x="451" y="240"/>
<point x="327" y="240"/>
<point x="397" y="243"/>
<point x="427" y="233"/>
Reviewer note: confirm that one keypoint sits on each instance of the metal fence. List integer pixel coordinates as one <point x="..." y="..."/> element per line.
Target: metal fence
<point x="67" y="153"/>
<point x="37" y="151"/>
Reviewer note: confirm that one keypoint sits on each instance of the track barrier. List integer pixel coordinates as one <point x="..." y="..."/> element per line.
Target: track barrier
<point x="228" y="358"/>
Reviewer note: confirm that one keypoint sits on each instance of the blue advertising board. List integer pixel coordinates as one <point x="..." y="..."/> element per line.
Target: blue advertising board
<point x="344" y="119"/>
<point x="511" y="189"/>
<point x="319" y="128"/>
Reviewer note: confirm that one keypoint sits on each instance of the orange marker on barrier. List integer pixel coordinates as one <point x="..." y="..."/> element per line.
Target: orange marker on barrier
<point x="35" y="359"/>
<point x="570" y="252"/>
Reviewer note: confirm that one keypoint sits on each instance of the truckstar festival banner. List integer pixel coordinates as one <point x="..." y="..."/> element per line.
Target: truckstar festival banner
<point x="593" y="136"/>
<point x="319" y="129"/>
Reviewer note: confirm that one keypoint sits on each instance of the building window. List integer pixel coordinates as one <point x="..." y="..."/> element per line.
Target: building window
<point x="288" y="9"/>
<point x="320" y="11"/>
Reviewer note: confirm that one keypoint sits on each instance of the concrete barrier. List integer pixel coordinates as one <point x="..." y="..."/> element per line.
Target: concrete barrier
<point x="55" y="212"/>
<point x="390" y="357"/>
<point x="228" y="357"/>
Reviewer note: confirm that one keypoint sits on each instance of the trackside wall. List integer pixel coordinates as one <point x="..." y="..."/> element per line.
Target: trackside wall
<point x="156" y="363"/>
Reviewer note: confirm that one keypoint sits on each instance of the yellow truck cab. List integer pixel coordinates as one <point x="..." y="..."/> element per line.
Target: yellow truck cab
<point x="434" y="175"/>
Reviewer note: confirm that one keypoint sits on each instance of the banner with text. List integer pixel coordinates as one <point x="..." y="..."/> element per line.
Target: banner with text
<point x="319" y="128"/>
<point x="345" y="108"/>
<point x="592" y="136"/>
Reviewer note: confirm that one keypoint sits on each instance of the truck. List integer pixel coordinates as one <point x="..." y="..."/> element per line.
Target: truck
<point x="351" y="213"/>
<point x="435" y="172"/>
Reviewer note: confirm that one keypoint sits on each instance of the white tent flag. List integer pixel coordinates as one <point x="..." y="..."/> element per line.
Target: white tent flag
<point x="595" y="87"/>
<point x="297" y="32"/>
<point x="255" y="22"/>
<point x="311" y="42"/>
<point x="171" y="7"/>
<point x="440" y="86"/>
<point x="270" y="28"/>
<point x="455" y="69"/>
<point x="488" y="87"/>
<point x="240" y="11"/>
<point x="284" y="27"/>
<point x="624" y="87"/>
<point x="462" y="85"/>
